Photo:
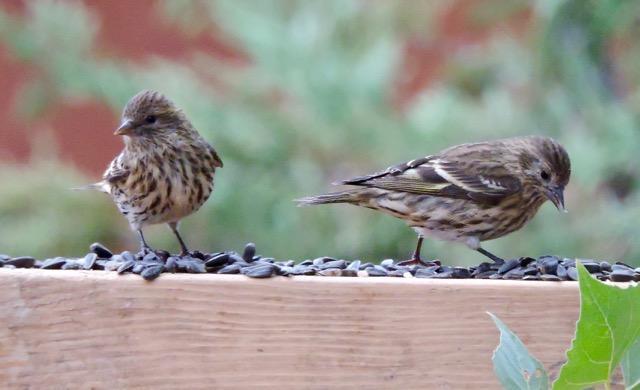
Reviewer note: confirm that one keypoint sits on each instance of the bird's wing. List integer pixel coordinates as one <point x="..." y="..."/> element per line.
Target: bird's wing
<point x="115" y="175"/>
<point x="116" y="172"/>
<point x="217" y="161"/>
<point x="436" y="176"/>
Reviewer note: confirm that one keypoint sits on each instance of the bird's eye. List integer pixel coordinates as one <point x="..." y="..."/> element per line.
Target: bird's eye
<point x="150" y="119"/>
<point x="544" y="175"/>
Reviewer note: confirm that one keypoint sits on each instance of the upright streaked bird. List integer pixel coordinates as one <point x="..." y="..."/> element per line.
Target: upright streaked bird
<point x="467" y="193"/>
<point x="165" y="171"/>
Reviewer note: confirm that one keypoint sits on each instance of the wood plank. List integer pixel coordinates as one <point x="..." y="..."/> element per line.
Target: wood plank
<point x="93" y="329"/>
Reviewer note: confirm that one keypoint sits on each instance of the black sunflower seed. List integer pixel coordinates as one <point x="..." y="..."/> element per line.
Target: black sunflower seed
<point x="72" y="265"/>
<point x="90" y="260"/>
<point x="217" y="260"/>
<point x="102" y="251"/>
<point x="334" y="264"/>
<point x="151" y="272"/>
<point x="21" y="262"/>
<point x="621" y="275"/>
<point x="258" y="271"/>
<point x="55" y="263"/>
<point x="508" y="266"/>
<point x="230" y="269"/>
<point x="249" y="252"/>
<point x="126" y="266"/>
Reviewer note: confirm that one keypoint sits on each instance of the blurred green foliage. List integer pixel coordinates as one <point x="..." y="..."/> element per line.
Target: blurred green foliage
<point x="41" y="215"/>
<point x="314" y="105"/>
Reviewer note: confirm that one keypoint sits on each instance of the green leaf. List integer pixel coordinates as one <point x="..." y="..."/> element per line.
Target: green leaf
<point x="609" y="324"/>
<point x="513" y="364"/>
<point x="631" y="367"/>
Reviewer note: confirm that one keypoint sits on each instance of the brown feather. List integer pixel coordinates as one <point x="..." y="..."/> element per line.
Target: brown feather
<point x="467" y="193"/>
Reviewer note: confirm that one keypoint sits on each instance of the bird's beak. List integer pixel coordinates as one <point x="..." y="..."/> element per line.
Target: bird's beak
<point x="556" y="195"/>
<point x="126" y="128"/>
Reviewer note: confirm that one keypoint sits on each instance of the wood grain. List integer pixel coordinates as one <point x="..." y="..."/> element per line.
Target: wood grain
<point x="99" y="330"/>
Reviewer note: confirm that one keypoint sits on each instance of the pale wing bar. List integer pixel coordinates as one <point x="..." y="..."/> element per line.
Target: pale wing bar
<point x="437" y="177"/>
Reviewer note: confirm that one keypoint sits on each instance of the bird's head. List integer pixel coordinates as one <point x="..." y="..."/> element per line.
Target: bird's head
<point x="547" y="168"/>
<point x="149" y="114"/>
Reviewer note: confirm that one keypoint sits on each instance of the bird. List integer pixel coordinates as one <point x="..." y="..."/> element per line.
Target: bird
<point x="165" y="171"/>
<point x="467" y="193"/>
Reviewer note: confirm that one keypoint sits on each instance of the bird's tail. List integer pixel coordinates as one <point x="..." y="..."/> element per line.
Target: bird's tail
<point x="99" y="186"/>
<point x="334" y="197"/>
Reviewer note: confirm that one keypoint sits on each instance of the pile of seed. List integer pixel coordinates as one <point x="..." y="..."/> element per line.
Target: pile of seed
<point x="150" y="265"/>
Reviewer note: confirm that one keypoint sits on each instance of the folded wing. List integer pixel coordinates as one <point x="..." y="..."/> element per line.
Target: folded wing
<point x="478" y="180"/>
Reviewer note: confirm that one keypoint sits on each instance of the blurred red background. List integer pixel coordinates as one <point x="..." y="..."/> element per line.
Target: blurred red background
<point x="129" y="29"/>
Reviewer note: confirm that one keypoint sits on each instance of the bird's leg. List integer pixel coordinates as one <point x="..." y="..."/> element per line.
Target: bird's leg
<point x="490" y="255"/>
<point x="416" y="252"/>
<point x="183" y="246"/>
<point x="144" y="247"/>
<point x="415" y="258"/>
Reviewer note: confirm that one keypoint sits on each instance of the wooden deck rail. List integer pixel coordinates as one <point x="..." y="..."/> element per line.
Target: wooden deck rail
<point x="99" y="330"/>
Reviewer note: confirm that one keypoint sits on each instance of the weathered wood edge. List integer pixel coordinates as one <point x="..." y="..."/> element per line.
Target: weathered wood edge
<point x="102" y="330"/>
<point x="75" y="275"/>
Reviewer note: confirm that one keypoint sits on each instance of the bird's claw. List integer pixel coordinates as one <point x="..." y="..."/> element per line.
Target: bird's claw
<point x="145" y="250"/>
<point x="415" y="261"/>
<point x="159" y="253"/>
<point x="195" y="254"/>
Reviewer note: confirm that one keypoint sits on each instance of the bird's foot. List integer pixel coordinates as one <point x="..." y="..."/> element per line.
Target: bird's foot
<point x="160" y="253"/>
<point x="195" y="254"/>
<point x="490" y="255"/>
<point x="418" y="261"/>
<point x="145" y="250"/>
